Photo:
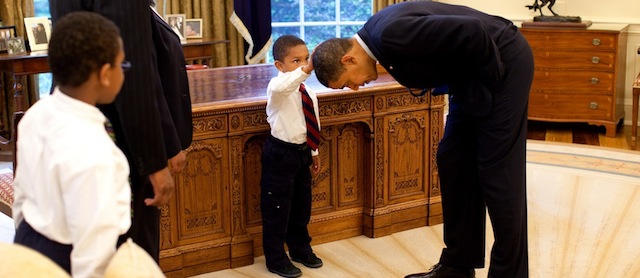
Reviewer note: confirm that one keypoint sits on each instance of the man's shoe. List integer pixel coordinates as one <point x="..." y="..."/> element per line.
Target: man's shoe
<point x="289" y="271"/>
<point x="443" y="271"/>
<point x="310" y="260"/>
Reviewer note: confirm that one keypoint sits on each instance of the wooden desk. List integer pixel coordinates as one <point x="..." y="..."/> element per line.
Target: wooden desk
<point x="378" y="172"/>
<point x="19" y="65"/>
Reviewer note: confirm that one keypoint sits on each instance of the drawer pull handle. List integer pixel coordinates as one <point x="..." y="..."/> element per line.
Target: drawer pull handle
<point x="595" y="42"/>
<point x="595" y="59"/>
<point x="593" y="105"/>
<point x="594" y="80"/>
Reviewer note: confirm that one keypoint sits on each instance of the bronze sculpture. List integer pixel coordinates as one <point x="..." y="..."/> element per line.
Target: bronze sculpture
<point x="539" y="4"/>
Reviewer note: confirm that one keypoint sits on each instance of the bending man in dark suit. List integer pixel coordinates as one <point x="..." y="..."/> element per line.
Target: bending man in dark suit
<point x="487" y="67"/>
<point x="136" y="114"/>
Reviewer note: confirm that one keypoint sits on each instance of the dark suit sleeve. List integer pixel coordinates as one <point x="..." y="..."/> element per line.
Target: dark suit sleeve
<point x="174" y="85"/>
<point x="138" y="122"/>
<point x="176" y="103"/>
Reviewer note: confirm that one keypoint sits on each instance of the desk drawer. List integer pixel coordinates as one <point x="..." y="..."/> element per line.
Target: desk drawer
<point x="575" y="60"/>
<point x="591" y="41"/>
<point x="577" y="82"/>
<point x="570" y="107"/>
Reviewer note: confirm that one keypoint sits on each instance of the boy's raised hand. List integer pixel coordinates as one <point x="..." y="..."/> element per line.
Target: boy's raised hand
<point x="308" y="68"/>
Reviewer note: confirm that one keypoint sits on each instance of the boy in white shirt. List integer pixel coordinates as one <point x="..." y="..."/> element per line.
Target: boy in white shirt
<point x="289" y="160"/>
<point x="72" y="195"/>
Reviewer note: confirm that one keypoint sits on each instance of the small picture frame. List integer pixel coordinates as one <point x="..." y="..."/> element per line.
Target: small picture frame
<point x="15" y="45"/>
<point x="193" y="28"/>
<point x="177" y="21"/>
<point x="6" y="32"/>
<point x="38" y="31"/>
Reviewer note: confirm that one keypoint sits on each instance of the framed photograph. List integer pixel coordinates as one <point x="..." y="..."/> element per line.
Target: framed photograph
<point x="6" y="32"/>
<point x="16" y="46"/>
<point x="193" y="28"/>
<point x="177" y="21"/>
<point x="38" y="31"/>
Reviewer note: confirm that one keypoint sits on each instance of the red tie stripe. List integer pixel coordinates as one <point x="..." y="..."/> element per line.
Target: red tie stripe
<point x="313" y="133"/>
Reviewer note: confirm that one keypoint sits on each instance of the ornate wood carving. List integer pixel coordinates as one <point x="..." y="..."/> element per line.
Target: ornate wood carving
<point x="201" y="208"/>
<point x="379" y="163"/>
<point x="252" y="172"/>
<point x="406" y="133"/>
<point x="212" y="124"/>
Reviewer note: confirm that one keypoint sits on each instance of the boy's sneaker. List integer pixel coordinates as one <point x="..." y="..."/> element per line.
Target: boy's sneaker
<point x="310" y="260"/>
<point x="289" y="271"/>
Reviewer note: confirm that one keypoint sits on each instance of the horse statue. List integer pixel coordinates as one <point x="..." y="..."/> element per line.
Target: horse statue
<point x="538" y="5"/>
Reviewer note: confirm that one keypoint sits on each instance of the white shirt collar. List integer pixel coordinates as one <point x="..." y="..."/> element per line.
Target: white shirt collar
<point x="74" y="106"/>
<point x="365" y="47"/>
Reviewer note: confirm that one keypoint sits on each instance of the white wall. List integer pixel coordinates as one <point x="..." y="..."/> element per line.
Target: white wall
<point x="618" y="11"/>
<point x="611" y="11"/>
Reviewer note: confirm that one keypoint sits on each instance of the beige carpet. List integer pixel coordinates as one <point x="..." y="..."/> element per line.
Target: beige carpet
<point x="584" y="221"/>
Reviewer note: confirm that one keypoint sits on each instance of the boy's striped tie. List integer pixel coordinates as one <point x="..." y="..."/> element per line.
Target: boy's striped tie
<point x="313" y="134"/>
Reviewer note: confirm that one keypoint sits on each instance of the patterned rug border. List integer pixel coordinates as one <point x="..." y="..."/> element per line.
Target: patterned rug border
<point x="584" y="157"/>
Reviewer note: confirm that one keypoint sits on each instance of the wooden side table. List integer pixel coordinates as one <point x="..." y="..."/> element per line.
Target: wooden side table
<point x="634" y="114"/>
<point x="578" y="74"/>
<point x="200" y="51"/>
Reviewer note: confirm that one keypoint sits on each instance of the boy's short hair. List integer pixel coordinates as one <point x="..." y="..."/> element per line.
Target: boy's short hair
<point x="283" y="44"/>
<point x="81" y="43"/>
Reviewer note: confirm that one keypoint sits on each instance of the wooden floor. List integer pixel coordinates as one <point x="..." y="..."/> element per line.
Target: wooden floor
<point x="581" y="133"/>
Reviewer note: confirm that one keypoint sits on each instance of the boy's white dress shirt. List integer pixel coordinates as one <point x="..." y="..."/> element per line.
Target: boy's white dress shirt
<point x="284" y="107"/>
<point x="71" y="182"/>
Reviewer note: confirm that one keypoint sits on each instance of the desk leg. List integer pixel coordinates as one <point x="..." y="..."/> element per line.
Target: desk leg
<point x="634" y="114"/>
<point x="18" y="95"/>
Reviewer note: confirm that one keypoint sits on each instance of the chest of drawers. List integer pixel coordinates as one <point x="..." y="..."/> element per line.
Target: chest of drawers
<point x="579" y="74"/>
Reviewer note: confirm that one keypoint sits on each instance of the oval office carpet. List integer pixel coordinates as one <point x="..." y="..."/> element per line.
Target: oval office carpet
<point x="584" y="221"/>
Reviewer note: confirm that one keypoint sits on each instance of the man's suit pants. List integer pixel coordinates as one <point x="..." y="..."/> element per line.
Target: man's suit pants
<point x="482" y="164"/>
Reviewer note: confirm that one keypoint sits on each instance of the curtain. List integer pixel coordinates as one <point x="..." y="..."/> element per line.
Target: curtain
<point x="252" y="19"/>
<point x="13" y="12"/>
<point x="215" y="16"/>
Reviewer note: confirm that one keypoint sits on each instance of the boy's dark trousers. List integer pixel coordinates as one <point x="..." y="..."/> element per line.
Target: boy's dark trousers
<point x="57" y="252"/>
<point x="285" y="201"/>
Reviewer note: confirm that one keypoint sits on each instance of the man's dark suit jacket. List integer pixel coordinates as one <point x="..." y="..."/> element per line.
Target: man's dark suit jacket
<point x="134" y="114"/>
<point x="422" y="49"/>
<point x="177" y="123"/>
